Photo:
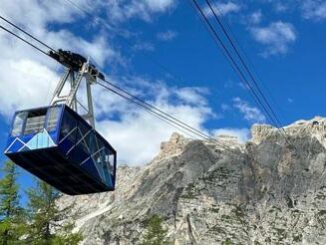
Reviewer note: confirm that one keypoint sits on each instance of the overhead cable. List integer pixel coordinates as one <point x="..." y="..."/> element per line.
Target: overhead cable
<point x="218" y="19"/>
<point x="24" y="40"/>
<point x="238" y="69"/>
<point x="26" y="33"/>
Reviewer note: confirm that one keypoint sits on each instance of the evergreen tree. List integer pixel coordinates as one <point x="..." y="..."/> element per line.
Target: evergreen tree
<point x="155" y="234"/>
<point x="48" y="224"/>
<point x="11" y="214"/>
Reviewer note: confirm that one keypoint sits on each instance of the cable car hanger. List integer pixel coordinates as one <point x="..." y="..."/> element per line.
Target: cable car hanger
<point x="78" y="67"/>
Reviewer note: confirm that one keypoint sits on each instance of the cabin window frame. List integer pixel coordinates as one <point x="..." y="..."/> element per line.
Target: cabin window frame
<point x="68" y="121"/>
<point x="49" y="118"/>
<point x="39" y="121"/>
<point x="22" y="126"/>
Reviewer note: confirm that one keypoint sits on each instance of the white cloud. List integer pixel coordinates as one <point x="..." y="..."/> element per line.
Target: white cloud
<point x="222" y="8"/>
<point x="33" y="75"/>
<point x="137" y="134"/>
<point x="281" y="7"/>
<point x="310" y="9"/>
<point x="167" y="35"/>
<point x="256" y="17"/>
<point x="43" y="12"/>
<point x="225" y="107"/>
<point x="242" y="134"/>
<point x="143" y="46"/>
<point x="277" y="37"/>
<point x="126" y="9"/>
<point x="314" y="9"/>
<point x="159" y="5"/>
<point x="192" y="95"/>
<point x="250" y="113"/>
<point x="26" y="83"/>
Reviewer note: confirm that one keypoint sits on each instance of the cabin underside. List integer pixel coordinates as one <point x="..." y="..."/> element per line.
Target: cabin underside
<point x="52" y="167"/>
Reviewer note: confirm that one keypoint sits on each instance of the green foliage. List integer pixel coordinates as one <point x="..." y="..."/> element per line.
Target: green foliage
<point x="66" y="237"/>
<point x="40" y="224"/>
<point x="190" y="192"/>
<point x="46" y="225"/>
<point x="12" y="218"/>
<point x="227" y="242"/>
<point x="155" y="233"/>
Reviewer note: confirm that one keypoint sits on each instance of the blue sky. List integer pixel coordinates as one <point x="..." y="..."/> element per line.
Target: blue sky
<point x="131" y="41"/>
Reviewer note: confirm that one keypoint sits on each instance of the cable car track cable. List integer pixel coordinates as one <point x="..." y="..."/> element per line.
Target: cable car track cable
<point x="167" y="119"/>
<point x="26" y="33"/>
<point x="234" y="64"/>
<point x="24" y="40"/>
<point x="218" y="19"/>
<point x="94" y="20"/>
<point x="154" y="108"/>
<point x="236" y="68"/>
<point x="246" y="58"/>
<point x="240" y="57"/>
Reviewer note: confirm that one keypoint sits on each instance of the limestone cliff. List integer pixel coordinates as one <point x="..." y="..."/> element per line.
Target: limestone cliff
<point x="271" y="190"/>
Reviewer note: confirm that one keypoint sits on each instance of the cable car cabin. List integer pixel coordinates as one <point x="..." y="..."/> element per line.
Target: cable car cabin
<point x="60" y="147"/>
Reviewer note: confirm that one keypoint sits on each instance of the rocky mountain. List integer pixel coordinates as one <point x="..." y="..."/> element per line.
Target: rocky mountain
<point x="271" y="190"/>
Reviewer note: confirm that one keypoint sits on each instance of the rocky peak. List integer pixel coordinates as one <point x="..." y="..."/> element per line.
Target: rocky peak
<point x="173" y="147"/>
<point x="260" y="132"/>
<point x="229" y="141"/>
<point x="315" y="127"/>
<point x="215" y="192"/>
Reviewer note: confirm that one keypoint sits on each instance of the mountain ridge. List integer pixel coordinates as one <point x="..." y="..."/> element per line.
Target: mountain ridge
<point x="266" y="191"/>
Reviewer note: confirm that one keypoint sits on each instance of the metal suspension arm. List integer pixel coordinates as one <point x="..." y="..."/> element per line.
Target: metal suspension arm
<point x="78" y="69"/>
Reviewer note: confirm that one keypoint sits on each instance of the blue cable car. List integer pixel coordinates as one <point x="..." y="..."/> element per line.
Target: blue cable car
<point x="60" y="147"/>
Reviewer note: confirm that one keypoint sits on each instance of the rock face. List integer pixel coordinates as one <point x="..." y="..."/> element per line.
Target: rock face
<point x="272" y="190"/>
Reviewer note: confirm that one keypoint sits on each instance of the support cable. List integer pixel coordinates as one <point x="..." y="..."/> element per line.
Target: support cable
<point x="234" y="64"/>
<point x="236" y="67"/>
<point x="183" y="127"/>
<point x="144" y="103"/>
<point x="153" y="112"/>
<point x="126" y="95"/>
<point x="218" y="19"/>
<point x="247" y="59"/>
<point x="95" y="19"/>
<point x="26" y="33"/>
<point x="24" y="40"/>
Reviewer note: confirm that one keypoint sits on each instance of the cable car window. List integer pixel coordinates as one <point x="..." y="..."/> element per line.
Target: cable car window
<point x="109" y="159"/>
<point x="84" y="132"/>
<point x="68" y="127"/>
<point x="18" y="123"/>
<point x="34" y="124"/>
<point x="111" y="164"/>
<point x="100" y="145"/>
<point x="99" y="161"/>
<point x="91" y="142"/>
<point x="53" y="114"/>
